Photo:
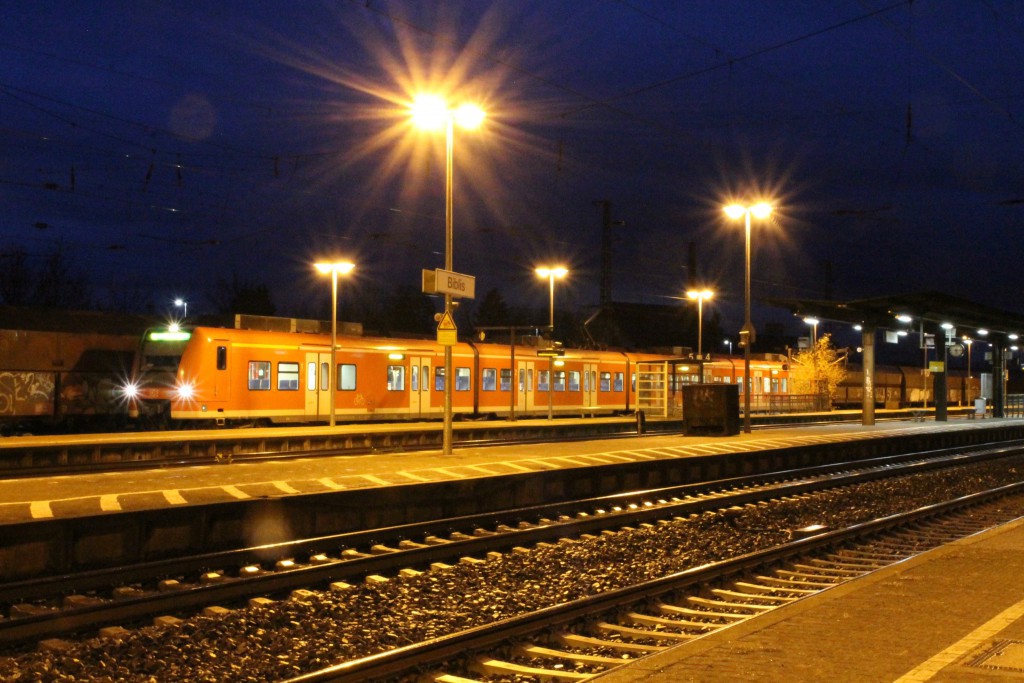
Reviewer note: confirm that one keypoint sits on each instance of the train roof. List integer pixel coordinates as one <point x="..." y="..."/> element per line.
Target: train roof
<point x="57" y="320"/>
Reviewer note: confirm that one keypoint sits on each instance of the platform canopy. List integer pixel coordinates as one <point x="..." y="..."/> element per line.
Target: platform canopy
<point x="931" y="309"/>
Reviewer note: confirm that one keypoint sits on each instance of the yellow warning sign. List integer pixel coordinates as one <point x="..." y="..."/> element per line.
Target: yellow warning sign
<point x="446" y="322"/>
<point x="447" y="333"/>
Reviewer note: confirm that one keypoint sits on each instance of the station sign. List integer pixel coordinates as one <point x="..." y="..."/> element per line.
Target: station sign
<point x="458" y="285"/>
<point x="551" y="353"/>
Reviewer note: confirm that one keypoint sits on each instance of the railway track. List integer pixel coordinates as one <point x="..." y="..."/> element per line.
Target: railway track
<point x="216" y="583"/>
<point x="575" y="641"/>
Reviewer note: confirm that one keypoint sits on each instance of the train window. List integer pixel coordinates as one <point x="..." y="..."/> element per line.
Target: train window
<point x="259" y="375"/>
<point x="396" y="378"/>
<point x="506" y="379"/>
<point x="462" y="379"/>
<point x="489" y="379"/>
<point x="586" y="381"/>
<point x="618" y="381"/>
<point x="414" y="379"/>
<point x="346" y="377"/>
<point x="542" y="380"/>
<point x="438" y="379"/>
<point x="311" y="376"/>
<point x="559" y="380"/>
<point x="606" y="381"/>
<point x="288" y="376"/>
<point x="325" y="376"/>
<point x="574" y="380"/>
<point x="222" y="358"/>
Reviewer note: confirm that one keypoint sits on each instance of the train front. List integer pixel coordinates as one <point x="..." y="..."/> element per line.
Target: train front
<point x="154" y="382"/>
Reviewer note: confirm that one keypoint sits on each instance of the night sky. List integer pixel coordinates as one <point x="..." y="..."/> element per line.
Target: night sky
<point x="171" y="146"/>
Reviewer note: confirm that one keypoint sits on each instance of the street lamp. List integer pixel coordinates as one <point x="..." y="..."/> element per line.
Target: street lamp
<point x="181" y="303"/>
<point x="813" y="322"/>
<point x="700" y="295"/>
<point x="334" y="268"/>
<point x="728" y="342"/>
<point x="551" y="273"/>
<point x="735" y="211"/>
<point x="431" y="112"/>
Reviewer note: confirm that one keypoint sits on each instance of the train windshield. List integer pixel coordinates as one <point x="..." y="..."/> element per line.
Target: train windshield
<point x="162" y="349"/>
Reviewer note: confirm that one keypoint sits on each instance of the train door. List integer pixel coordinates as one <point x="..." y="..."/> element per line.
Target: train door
<point x="318" y="386"/>
<point x="524" y="388"/>
<point x="221" y="380"/>
<point x="420" y="381"/>
<point x="590" y="385"/>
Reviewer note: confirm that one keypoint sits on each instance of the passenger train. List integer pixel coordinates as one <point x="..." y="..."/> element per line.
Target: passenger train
<point x="257" y="376"/>
<point x="89" y="372"/>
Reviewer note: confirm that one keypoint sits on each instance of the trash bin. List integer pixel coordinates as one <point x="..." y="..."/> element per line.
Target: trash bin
<point x="980" y="405"/>
<point x="711" y="409"/>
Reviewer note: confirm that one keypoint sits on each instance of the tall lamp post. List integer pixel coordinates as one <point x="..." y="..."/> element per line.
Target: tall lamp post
<point x="813" y="322"/>
<point x="334" y="268"/>
<point x="700" y="295"/>
<point x="736" y="211"/>
<point x="431" y="112"/>
<point x="181" y="303"/>
<point x="551" y="272"/>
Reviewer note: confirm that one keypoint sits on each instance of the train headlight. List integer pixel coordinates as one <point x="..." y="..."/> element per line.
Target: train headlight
<point x="130" y="390"/>
<point x="185" y="392"/>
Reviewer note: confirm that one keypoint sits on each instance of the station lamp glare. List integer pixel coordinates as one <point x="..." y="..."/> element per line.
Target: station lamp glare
<point x="982" y="333"/>
<point x="904" y="318"/>
<point x="1014" y="336"/>
<point x="811" y="321"/>
<point x="858" y="327"/>
<point x="947" y="326"/>
<point x="902" y="333"/>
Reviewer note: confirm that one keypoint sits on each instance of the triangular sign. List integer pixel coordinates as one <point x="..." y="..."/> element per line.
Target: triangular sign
<point x="447" y="322"/>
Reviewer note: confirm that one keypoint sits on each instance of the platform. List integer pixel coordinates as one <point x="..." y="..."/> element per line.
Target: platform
<point x="955" y="613"/>
<point x="38" y="498"/>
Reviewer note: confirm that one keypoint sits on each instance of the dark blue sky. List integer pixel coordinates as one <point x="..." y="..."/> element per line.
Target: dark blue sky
<point x="170" y="145"/>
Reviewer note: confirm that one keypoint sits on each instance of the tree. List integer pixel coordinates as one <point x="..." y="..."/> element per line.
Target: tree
<point x="55" y="283"/>
<point x="492" y="311"/>
<point x="818" y="370"/>
<point x="240" y="296"/>
<point x="15" y="278"/>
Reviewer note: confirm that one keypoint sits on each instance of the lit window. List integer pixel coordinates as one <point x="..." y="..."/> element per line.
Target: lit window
<point x="347" y="377"/>
<point x="288" y="376"/>
<point x="396" y="378"/>
<point x="259" y="375"/>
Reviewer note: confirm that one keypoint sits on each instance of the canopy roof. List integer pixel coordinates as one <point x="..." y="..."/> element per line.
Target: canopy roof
<point x="930" y="309"/>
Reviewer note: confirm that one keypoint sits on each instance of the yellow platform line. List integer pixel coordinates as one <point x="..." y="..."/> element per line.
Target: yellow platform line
<point x="109" y="503"/>
<point x="174" y="497"/>
<point x="236" y="492"/>
<point x="284" y="487"/>
<point x="375" y="480"/>
<point x="929" y="668"/>
<point x="40" y="509"/>
<point x="410" y="475"/>
<point x="330" y="483"/>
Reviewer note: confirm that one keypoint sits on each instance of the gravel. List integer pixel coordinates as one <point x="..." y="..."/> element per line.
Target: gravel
<point x="291" y="637"/>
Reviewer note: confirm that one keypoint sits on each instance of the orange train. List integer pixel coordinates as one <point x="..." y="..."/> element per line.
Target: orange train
<point x="233" y="376"/>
